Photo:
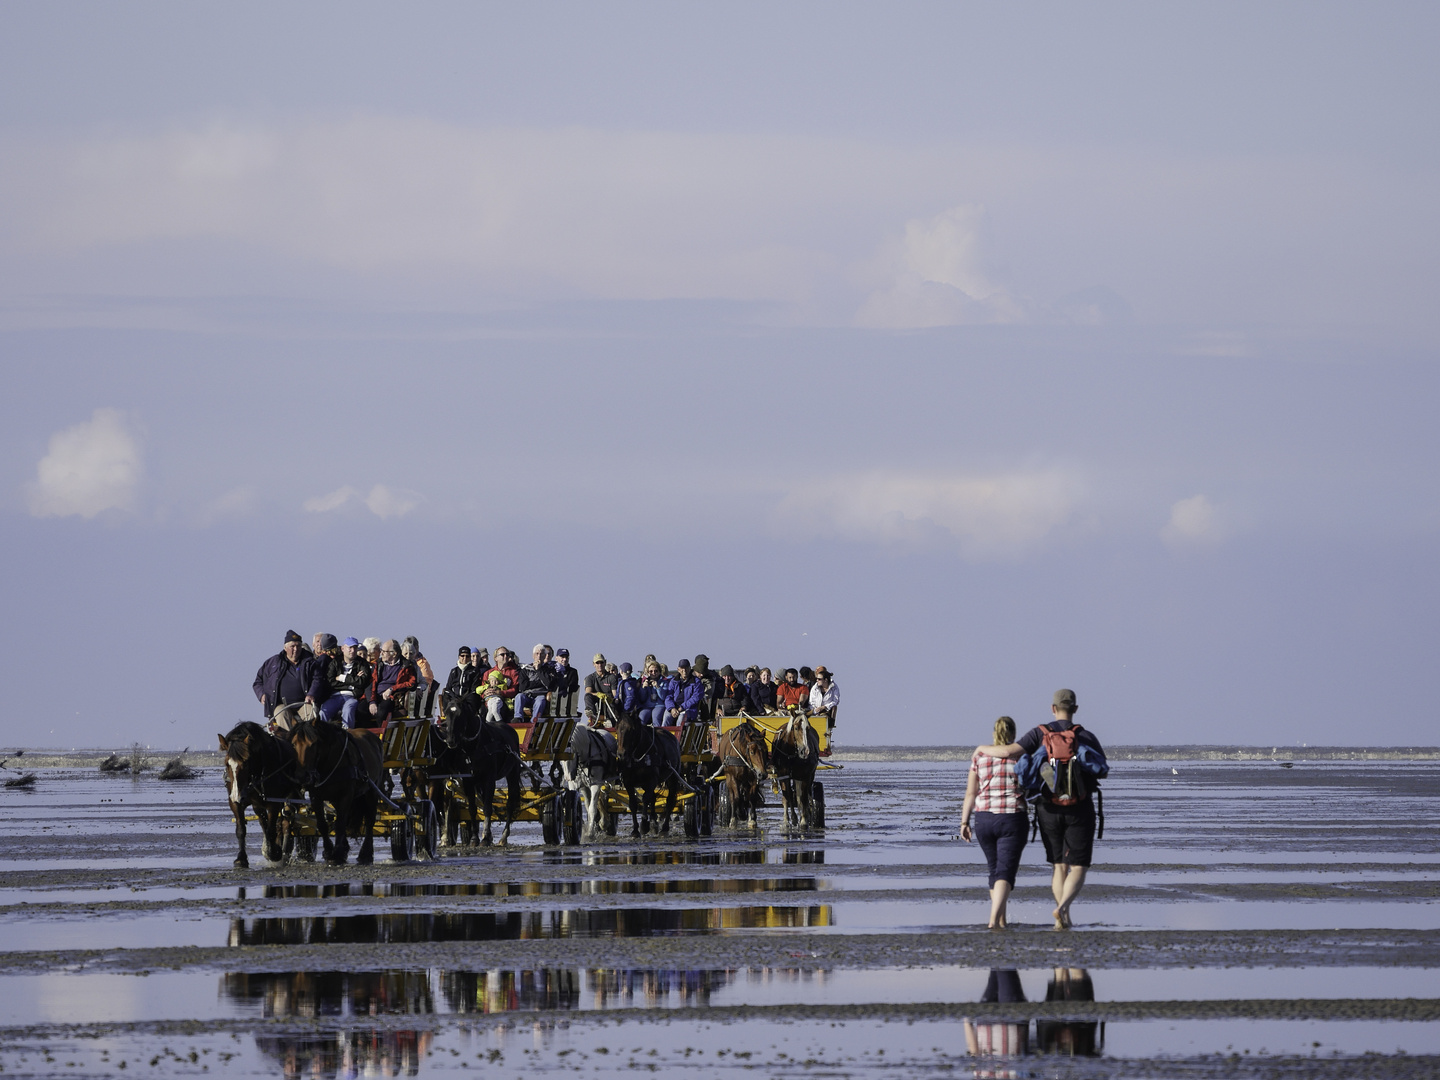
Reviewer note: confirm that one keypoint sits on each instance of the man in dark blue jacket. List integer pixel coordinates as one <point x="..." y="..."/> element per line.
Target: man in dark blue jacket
<point x="685" y="695"/>
<point x="290" y="677"/>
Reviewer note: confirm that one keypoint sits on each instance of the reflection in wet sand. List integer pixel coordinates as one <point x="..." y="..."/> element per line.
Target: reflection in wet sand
<point x="347" y="1053"/>
<point x="1009" y="1039"/>
<point x="587" y="887"/>
<point x="416" y="927"/>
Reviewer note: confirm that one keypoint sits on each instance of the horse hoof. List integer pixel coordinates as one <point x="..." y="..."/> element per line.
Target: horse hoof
<point x="364" y="860"/>
<point x="486" y="841"/>
<point x="241" y="863"/>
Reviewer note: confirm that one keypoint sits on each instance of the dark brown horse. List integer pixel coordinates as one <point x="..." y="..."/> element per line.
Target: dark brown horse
<point x="746" y="764"/>
<point x="494" y="754"/>
<point x="345" y="769"/>
<point x="648" y="757"/>
<point x="795" y="753"/>
<point x="259" y="767"/>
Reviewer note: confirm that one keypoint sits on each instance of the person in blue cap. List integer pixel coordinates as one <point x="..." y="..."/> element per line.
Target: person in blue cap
<point x="348" y="684"/>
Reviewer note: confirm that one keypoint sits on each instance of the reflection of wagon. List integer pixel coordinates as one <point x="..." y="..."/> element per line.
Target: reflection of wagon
<point x="769" y="725"/>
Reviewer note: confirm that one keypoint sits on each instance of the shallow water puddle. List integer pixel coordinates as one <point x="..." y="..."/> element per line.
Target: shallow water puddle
<point x="167" y="995"/>
<point x="701" y="1048"/>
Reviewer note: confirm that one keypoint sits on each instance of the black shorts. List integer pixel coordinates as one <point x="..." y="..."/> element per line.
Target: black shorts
<point x="1068" y="832"/>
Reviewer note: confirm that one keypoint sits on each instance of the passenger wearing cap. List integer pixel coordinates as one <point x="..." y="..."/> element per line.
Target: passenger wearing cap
<point x="684" y="695"/>
<point x="289" y="678"/>
<point x="824" y="694"/>
<point x="1067" y="831"/>
<point x="348" y="683"/>
<point x="711" y="682"/>
<point x="536" y="680"/>
<point x="463" y="676"/>
<point x="734" y="697"/>
<point x="600" y="682"/>
<point x="627" y="691"/>
<point x="567" y="679"/>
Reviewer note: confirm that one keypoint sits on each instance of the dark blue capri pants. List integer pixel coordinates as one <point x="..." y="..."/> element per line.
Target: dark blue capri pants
<point x="1002" y="839"/>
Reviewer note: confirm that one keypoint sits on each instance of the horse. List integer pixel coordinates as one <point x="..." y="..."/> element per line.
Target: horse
<point x="494" y="753"/>
<point x="452" y="762"/>
<point x="593" y="761"/>
<point x="745" y="763"/>
<point x="795" y="752"/>
<point x="258" y="767"/>
<point x="648" y="756"/>
<point x="345" y="769"/>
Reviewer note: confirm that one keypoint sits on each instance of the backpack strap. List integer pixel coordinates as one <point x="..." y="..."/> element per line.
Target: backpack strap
<point x="1099" y="813"/>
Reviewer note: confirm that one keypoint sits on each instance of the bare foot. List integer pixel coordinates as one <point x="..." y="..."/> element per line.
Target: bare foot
<point x="1062" y="919"/>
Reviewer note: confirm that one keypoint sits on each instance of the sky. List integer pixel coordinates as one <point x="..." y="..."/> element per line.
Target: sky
<point x="970" y="350"/>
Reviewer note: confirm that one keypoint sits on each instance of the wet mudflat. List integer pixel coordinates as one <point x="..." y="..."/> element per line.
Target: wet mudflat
<point x="1241" y="920"/>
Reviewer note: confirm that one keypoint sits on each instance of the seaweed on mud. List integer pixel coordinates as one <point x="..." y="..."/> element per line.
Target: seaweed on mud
<point x="28" y="780"/>
<point x="176" y="769"/>
<point x="114" y="764"/>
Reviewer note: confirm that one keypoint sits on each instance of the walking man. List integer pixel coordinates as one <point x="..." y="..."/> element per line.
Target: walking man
<point x="1067" y="821"/>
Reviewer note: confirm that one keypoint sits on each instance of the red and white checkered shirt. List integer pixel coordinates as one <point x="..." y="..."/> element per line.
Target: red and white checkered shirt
<point x="996" y="791"/>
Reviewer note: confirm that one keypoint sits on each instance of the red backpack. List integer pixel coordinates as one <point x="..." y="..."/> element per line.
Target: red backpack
<point x="1064" y="778"/>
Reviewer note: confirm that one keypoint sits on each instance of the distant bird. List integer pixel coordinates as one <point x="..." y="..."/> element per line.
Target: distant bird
<point x="1175" y="771"/>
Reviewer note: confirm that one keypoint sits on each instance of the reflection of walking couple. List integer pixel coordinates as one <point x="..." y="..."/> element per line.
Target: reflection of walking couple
<point x="1075" y="1038"/>
<point x="994" y="810"/>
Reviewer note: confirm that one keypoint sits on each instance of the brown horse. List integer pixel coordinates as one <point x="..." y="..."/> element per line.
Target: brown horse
<point x="648" y="757"/>
<point x="796" y="754"/>
<point x="746" y="764"/>
<point x="259" y="767"/>
<point x="345" y="769"/>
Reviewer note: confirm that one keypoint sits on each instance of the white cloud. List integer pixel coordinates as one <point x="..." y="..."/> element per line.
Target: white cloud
<point x="92" y="467"/>
<point x="383" y="502"/>
<point x="387" y="502"/>
<point x="987" y="516"/>
<point x="937" y="278"/>
<point x="323" y="504"/>
<point x="1195" y="520"/>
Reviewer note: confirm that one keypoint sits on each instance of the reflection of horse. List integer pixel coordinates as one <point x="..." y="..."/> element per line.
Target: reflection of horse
<point x="345" y="769"/>
<point x="258" y="767"/>
<point x="648" y="757"/>
<point x="593" y="761"/>
<point x="795" y="753"/>
<point x="494" y="752"/>
<point x="746" y="763"/>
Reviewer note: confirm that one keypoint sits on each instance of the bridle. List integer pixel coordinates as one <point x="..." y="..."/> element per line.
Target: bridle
<point x="734" y="760"/>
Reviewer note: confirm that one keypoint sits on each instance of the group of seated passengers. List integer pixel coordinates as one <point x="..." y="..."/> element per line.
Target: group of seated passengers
<point x="362" y="684"/>
<point x="699" y="692"/>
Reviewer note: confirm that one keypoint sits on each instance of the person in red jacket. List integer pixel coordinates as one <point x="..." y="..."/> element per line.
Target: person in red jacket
<point x="504" y="663"/>
<point x="790" y="694"/>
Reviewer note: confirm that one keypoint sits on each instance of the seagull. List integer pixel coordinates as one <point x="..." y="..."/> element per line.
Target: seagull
<point x="1175" y="771"/>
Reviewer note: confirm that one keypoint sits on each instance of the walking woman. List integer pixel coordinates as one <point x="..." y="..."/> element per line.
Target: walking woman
<point x="994" y="814"/>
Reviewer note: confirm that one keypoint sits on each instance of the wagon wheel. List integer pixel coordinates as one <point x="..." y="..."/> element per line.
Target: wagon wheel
<point x="723" y="810"/>
<point x="402" y="838"/>
<point x="817" y="797"/>
<point x="571" y="811"/>
<point x="305" y="847"/>
<point x="549" y="826"/>
<point x="707" y="809"/>
<point x="692" y="815"/>
<point x="429" y="826"/>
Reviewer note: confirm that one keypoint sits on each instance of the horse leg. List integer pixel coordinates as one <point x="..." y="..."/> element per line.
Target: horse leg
<point x="317" y="808"/>
<point x="269" y="819"/>
<point x="634" y="819"/>
<point x="512" y="802"/>
<point x="242" y="860"/>
<point x="487" y="805"/>
<point x="593" y="824"/>
<point x="340" y="853"/>
<point x="368" y="808"/>
<point x="672" y="794"/>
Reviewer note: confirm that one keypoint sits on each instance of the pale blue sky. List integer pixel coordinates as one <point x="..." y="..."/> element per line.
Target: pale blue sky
<point x="969" y="350"/>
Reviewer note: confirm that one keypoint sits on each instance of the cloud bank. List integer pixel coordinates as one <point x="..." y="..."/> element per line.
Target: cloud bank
<point x="384" y="502"/>
<point x="92" y="467"/>
<point x="985" y="516"/>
